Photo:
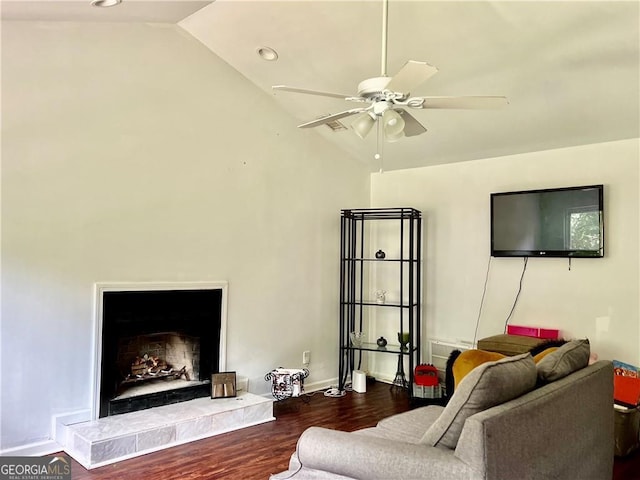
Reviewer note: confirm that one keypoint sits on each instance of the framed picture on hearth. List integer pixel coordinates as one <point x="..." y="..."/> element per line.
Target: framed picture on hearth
<point x="223" y="385"/>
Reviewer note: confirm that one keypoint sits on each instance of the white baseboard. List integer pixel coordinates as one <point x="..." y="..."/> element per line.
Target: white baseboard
<point x="383" y="377"/>
<point x="56" y="443"/>
<point x="321" y="385"/>
<point x="36" y="449"/>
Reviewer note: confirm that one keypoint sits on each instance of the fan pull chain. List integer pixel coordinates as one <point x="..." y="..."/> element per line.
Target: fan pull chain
<point x="379" y="145"/>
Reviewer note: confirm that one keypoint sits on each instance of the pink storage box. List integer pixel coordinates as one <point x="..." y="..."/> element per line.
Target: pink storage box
<point x="546" y="333"/>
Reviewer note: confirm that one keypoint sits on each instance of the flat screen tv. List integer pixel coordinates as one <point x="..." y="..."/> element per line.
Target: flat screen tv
<point x="557" y="222"/>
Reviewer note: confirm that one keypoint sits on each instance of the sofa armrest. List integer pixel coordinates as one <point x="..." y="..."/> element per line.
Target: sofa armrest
<point x="561" y="430"/>
<point x="362" y="456"/>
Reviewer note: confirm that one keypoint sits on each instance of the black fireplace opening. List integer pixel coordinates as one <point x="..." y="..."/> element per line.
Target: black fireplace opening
<point x="158" y="347"/>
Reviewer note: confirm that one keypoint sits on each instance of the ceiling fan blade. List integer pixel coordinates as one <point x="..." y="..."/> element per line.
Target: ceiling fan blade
<point x="412" y="127"/>
<point x="469" y="102"/>
<point x="286" y="88"/>
<point x="410" y="76"/>
<point x="332" y="117"/>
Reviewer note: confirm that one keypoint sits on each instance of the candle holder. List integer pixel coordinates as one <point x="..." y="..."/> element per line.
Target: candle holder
<point x="403" y="338"/>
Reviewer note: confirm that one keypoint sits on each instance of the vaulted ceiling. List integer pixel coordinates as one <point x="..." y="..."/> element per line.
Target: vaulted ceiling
<point x="570" y="69"/>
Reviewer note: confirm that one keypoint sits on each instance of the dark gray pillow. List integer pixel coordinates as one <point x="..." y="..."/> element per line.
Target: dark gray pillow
<point x="568" y="358"/>
<point x="485" y="386"/>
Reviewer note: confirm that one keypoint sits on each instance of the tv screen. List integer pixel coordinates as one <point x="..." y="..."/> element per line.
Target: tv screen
<point x="558" y="222"/>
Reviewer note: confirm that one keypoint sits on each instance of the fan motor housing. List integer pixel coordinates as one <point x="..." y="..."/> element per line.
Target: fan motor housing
<point x="373" y="87"/>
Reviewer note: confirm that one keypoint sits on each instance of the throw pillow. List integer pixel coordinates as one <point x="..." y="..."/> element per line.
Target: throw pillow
<point x="487" y="385"/>
<point x="544" y="353"/>
<point x="470" y="359"/>
<point x="568" y="358"/>
<point x="459" y="364"/>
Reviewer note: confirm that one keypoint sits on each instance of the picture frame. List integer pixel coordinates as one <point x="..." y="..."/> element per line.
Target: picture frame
<point x="223" y="385"/>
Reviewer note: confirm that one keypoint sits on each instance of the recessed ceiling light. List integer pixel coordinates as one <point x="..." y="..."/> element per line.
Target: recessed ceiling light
<point x="267" y="53"/>
<point x="105" y="3"/>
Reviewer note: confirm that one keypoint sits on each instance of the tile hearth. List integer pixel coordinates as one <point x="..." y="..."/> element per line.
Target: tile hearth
<point x="118" y="437"/>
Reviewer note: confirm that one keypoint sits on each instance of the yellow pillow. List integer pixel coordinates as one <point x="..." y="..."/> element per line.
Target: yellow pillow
<point x="544" y="353"/>
<point x="470" y="359"/>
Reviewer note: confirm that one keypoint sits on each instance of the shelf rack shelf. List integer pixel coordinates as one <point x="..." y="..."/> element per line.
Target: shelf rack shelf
<point x="402" y="236"/>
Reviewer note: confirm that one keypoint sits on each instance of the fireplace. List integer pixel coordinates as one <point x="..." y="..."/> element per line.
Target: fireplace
<point x="159" y="344"/>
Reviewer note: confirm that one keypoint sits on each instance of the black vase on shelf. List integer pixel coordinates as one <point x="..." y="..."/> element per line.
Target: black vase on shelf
<point x="382" y="342"/>
<point x="380" y="255"/>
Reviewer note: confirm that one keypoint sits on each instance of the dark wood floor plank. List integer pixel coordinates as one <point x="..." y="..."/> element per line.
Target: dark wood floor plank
<point x="256" y="452"/>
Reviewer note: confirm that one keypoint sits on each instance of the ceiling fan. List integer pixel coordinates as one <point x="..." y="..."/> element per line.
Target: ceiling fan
<point x="388" y="98"/>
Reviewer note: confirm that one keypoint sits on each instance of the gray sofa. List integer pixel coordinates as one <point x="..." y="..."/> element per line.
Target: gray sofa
<point x="562" y="429"/>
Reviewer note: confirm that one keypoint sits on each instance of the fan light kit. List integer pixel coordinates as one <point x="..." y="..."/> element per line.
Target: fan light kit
<point x="267" y="53"/>
<point x="390" y="96"/>
<point x="105" y="3"/>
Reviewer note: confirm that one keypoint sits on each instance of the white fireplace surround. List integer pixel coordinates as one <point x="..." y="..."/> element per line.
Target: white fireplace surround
<point x="102" y="441"/>
<point x="103" y="287"/>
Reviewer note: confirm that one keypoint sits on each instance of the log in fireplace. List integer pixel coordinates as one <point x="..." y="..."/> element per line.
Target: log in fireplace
<point x="158" y="347"/>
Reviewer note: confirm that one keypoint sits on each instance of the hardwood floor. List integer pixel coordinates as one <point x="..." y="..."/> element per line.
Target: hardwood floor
<point x="627" y="468"/>
<point x="256" y="452"/>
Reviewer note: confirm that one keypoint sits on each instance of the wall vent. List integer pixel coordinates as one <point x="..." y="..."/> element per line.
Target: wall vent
<point x="336" y="126"/>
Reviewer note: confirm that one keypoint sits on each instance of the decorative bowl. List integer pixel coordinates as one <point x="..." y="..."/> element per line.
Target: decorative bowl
<point x="356" y="338"/>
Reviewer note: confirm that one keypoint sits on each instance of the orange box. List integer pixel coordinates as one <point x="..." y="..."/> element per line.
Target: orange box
<point x="626" y="390"/>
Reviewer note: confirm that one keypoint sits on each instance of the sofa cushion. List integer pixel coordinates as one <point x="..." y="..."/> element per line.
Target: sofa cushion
<point x="409" y="426"/>
<point x="468" y="360"/>
<point x="568" y="358"/>
<point x="485" y="386"/>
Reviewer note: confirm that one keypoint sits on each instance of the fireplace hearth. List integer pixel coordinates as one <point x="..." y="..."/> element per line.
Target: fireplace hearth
<point x="158" y="346"/>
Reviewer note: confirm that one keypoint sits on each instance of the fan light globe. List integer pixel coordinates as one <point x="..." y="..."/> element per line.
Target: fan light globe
<point x="394" y="138"/>
<point x="362" y="125"/>
<point x="393" y="123"/>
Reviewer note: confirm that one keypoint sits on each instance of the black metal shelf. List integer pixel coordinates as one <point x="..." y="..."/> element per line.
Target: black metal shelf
<point x="373" y="347"/>
<point x="381" y="260"/>
<point x="358" y="271"/>
<point x="373" y="303"/>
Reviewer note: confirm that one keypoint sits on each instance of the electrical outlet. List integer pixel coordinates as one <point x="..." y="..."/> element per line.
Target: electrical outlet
<point x="306" y="357"/>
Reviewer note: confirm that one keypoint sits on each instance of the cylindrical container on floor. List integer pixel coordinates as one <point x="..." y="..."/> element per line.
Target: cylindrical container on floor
<point x="359" y="381"/>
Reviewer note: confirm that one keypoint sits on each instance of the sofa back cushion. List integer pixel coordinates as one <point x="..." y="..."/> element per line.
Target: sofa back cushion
<point x="485" y="386"/>
<point x="568" y="358"/>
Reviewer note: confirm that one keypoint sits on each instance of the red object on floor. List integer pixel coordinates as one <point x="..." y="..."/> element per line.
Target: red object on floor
<point x="425" y="375"/>
<point x="626" y="390"/>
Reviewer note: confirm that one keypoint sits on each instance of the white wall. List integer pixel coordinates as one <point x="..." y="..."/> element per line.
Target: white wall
<point x="131" y="153"/>
<point x="597" y="298"/>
